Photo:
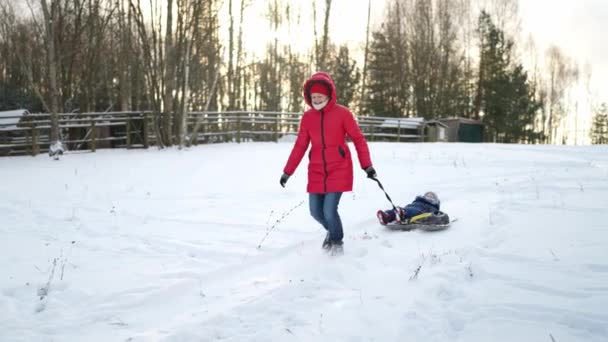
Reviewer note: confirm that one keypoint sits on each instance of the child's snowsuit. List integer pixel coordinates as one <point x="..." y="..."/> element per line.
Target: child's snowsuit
<point x="420" y="205"/>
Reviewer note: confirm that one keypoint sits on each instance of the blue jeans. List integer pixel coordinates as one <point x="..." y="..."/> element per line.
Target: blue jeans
<point x="324" y="209"/>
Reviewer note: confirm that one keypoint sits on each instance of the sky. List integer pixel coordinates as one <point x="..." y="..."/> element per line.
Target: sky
<point x="182" y="245"/>
<point x="348" y="22"/>
<point x="576" y="26"/>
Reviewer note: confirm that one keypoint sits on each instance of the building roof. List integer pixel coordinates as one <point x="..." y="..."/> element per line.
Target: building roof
<point x="462" y="120"/>
<point x="412" y="123"/>
<point x="9" y="119"/>
<point x="435" y="122"/>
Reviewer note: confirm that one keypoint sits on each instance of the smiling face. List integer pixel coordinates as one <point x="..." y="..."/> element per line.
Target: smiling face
<point x="317" y="98"/>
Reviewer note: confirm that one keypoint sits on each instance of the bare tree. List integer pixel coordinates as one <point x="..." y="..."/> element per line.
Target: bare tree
<point x="324" y="53"/>
<point x="537" y="82"/>
<point x="152" y="60"/>
<point x="270" y="81"/>
<point x="431" y="37"/>
<point x="17" y="65"/>
<point x="169" y="62"/>
<point x="240" y="88"/>
<point x="464" y="20"/>
<point x="317" y="48"/>
<point x="189" y="16"/>
<point x="506" y="16"/>
<point x="240" y="84"/>
<point x="126" y="49"/>
<point x="365" y="56"/>
<point x="90" y="76"/>
<point x="230" y="77"/>
<point x="561" y="73"/>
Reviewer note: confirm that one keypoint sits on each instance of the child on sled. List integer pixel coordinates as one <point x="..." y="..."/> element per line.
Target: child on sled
<point x="427" y="203"/>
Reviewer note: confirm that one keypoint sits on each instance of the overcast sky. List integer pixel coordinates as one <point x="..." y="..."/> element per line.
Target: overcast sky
<point x="577" y="27"/>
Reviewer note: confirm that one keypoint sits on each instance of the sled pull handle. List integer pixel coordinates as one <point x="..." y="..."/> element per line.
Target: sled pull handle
<point x="382" y="188"/>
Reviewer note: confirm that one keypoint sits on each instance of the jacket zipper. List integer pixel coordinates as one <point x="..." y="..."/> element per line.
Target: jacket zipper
<point x="323" y="151"/>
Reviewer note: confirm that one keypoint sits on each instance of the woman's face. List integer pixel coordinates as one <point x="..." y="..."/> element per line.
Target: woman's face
<point x="317" y="98"/>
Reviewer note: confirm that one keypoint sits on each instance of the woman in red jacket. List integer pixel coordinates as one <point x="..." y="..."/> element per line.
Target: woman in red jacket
<point x="330" y="168"/>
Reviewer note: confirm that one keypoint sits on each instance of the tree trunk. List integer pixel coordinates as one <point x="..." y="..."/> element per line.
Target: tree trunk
<point x="365" y="56"/>
<point x="49" y="25"/>
<point x="186" y="97"/>
<point x="323" y="60"/>
<point x="230" y="77"/>
<point x="169" y="76"/>
<point x="124" y="65"/>
<point x="239" y="62"/>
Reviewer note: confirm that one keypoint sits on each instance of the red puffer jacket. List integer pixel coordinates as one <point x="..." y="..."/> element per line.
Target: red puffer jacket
<point x="330" y="167"/>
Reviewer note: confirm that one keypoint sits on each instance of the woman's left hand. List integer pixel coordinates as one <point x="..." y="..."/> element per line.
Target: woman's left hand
<point x="371" y="173"/>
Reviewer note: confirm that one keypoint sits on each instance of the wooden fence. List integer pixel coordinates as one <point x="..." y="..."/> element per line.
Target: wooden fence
<point x="90" y="131"/>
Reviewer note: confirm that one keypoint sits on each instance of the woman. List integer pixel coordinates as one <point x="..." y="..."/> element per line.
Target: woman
<point x="330" y="169"/>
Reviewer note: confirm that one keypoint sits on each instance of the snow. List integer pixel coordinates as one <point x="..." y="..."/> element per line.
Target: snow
<point x="162" y="245"/>
<point x="56" y="149"/>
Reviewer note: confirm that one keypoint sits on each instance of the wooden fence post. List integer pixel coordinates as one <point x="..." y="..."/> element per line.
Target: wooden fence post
<point x="398" y="130"/>
<point x="194" y="136"/>
<point x="277" y="128"/>
<point x="145" y="132"/>
<point x="35" y="147"/>
<point x="93" y="135"/>
<point x="238" y="128"/>
<point x="128" y="130"/>
<point x="371" y="128"/>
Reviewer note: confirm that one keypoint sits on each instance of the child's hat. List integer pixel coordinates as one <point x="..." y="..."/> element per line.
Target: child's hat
<point x="431" y="195"/>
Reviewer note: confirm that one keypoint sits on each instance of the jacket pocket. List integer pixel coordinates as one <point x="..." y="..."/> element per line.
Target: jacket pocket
<point x="341" y="151"/>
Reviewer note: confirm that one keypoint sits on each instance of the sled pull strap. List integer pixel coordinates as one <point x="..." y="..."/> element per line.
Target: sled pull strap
<point x="387" y="196"/>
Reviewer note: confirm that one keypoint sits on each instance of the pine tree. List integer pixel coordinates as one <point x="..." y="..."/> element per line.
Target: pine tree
<point x="504" y="97"/>
<point x="387" y="90"/>
<point x="346" y="76"/>
<point x="519" y="124"/>
<point x="378" y="69"/>
<point x="599" y="130"/>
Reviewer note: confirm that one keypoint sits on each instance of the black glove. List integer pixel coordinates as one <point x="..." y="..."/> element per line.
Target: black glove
<point x="371" y="173"/>
<point x="284" y="179"/>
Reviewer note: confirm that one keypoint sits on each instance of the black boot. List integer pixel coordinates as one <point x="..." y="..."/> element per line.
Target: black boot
<point x="326" y="243"/>
<point x="337" y="248"/>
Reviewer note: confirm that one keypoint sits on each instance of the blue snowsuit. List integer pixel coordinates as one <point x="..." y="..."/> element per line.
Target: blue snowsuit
<point x="420" y="205"/>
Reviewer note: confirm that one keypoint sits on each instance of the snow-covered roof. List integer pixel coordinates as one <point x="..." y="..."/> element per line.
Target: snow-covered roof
<point x="462" y="120"/>
<point x="9" y="119"/>
<point x="436" y="122"/>
<point x="403" y="123"/>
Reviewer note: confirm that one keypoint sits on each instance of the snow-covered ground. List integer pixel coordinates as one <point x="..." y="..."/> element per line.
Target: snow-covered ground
<point x="204" y="245"/>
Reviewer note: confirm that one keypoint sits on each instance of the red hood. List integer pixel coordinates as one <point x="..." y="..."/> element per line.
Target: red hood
<point x="320" y="77"/>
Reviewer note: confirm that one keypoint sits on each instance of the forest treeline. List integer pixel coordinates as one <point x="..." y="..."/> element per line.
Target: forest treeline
<point x="424" y="58"/>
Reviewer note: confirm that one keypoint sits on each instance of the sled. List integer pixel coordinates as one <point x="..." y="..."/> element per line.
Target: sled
<point x="429" y="222"/>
